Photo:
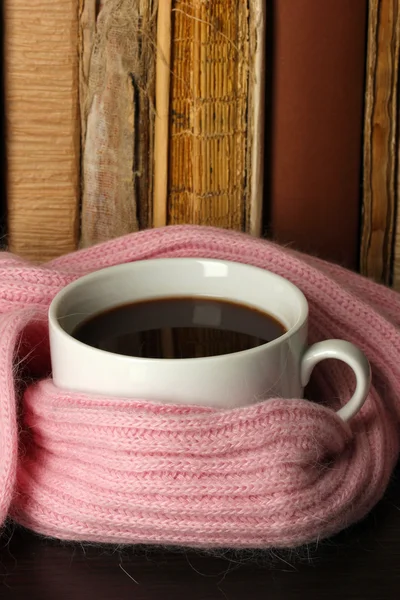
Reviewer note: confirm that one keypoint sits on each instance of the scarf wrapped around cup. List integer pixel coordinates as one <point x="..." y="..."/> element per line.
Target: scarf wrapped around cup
<point x="278" y="473"/>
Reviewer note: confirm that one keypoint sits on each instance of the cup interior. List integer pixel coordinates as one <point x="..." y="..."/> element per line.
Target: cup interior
<point x="179" y="277"/>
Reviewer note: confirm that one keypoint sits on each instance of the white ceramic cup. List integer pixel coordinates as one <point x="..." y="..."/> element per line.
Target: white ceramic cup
<point x="280" y="368"/>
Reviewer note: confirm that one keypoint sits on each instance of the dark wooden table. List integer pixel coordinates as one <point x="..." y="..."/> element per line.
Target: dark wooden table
<point x="359" y="564"/>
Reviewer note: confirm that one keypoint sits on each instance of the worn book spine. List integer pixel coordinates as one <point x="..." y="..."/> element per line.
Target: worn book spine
<point x="117" y="62"/>
<point x="41" y="62"/>
<point x="379" y="243"/>
<point x="215" y="153"/>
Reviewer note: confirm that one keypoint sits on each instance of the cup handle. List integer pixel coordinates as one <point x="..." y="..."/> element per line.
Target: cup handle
<point x="351" y="355"/>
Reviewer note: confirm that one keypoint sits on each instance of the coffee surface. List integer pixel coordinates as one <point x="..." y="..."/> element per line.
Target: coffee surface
<point x="189" y="327"/>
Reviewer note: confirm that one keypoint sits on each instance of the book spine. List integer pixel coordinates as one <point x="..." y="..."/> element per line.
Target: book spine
<point x="43" y="126"/>
<point x="161" y="126"/>
<point x="380" y="192"/>
<point x="3" y="160"/>
<point x="216" y="89"/>
<point x="315" y="133"/>
<point x="396" y="254"/>
<point x="117" y="52"/>
<point x="256" y="162"/>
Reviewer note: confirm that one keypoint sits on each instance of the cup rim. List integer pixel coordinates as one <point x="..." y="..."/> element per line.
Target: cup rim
<point x="86" y="279"/>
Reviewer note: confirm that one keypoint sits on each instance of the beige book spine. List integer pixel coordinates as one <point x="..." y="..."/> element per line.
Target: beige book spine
<point x="257" y="116"/>
<point x="161" y="128"/>
<point x="43" y="126"/>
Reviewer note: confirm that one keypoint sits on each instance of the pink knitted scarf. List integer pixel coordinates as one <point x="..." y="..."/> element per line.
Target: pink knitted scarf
<point x="278" y="473"/>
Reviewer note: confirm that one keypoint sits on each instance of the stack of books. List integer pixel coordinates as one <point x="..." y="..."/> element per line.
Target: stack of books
<point x="127" y="114"/>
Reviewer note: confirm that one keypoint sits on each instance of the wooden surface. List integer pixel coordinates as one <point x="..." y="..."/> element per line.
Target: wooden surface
<point x="314" y="135"/>
<point x="43" y="126"/>
<point x="360" y="564"/>
<point x="380" y="140"/>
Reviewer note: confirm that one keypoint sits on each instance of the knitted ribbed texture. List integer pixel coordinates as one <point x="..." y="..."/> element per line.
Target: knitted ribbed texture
<point x="278" y="473"/>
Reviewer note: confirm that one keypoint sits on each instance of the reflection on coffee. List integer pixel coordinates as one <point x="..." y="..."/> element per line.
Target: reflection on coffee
<point x="181" y="327"/>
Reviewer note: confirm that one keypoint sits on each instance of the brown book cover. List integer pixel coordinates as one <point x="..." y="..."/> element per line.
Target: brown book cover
<point x="42" y="126"/>
<point x="315" y="135"/>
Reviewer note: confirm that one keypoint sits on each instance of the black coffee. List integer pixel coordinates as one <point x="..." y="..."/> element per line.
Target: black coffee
<point x="178" y="328"/>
